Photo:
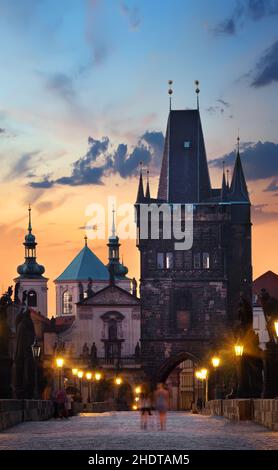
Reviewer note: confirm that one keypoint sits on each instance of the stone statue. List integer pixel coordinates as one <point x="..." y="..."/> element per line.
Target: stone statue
<point x="137" y="352"/>
<point x="24" y="361"/>
<point x="270" y="309"/>
<point x="245" y="314"/>
<point x="134" y="287"/>
<point x="81" y="291"/>
<point x="89" y="287"/>
<point x="5" y="360"/>
<point x="85" y="352"/>
<point x="16" y="292"/>
<point x="94" y="354"/>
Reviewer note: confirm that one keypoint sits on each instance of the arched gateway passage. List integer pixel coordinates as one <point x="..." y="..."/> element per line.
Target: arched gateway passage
<point x="178" y="373"/>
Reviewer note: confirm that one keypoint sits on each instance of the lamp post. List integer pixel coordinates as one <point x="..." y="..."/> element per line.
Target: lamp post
<point x="80" y="375"/>
<point x="74" y="373"/>
<point x="89" y="376"/>
<point x="98" y="377"/>
<point x="36" y="350"/>
<point x="202" y="375"/>
<point x="239" y="350"/>
<point x="215" y="364"/>
<point x="59" y="364"/>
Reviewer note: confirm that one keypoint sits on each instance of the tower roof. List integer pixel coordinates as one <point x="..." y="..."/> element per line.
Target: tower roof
<point x="184" y="176"/>
<point x="84" y="266"/>
<point x="30" y="269"/>
<point x="140" y="193"/>
<point x="238" y="187"/>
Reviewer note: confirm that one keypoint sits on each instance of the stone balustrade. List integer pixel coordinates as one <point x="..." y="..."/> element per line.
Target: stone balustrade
<point x="262" y="411"/>
<point x="16" y="411"/>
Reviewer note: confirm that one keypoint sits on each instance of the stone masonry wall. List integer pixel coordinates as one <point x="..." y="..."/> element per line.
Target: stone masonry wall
<point x="16" y="411"/>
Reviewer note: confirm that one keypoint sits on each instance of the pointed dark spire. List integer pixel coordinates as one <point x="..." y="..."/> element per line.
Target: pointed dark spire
<point x="148" y="193"/>
<point x="227" y="179"/>
<point x="140" y="193"/>
<point x="170" y="92"/>
<point x="197" y="90"/>
<point x="238" y="188"/>
<point x="224" y="187"/>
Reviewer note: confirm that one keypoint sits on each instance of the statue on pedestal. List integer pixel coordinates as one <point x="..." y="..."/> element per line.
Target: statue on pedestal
<point x="93" y="355"/>
<point x="5" y="360"/>
<point x="89" y="290"/>
<point x="85" y="352"/>
<point x="24" y="361"/>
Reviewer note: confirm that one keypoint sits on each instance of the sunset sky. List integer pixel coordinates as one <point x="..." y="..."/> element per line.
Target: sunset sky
<point x="83" y="99"/>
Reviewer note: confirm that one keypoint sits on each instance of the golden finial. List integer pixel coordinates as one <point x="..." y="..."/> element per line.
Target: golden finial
<point x="86" y="240"/>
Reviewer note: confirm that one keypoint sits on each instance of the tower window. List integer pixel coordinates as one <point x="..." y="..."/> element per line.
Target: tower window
<point x="160" y="260"/>
<point x="67" y="303"/>
<point x="32" y="298"/>
<point x="206" y="260"/>
<point x="169" y="260"/>
<point x="186" y="144"/>
<point x="197" y="261"/>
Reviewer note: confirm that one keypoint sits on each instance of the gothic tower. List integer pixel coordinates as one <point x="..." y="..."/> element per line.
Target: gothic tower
<point x="31" y="279"/>
<point x="190" y="297"/>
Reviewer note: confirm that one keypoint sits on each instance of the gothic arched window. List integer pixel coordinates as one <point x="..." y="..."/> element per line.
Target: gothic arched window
<point x="32" y="298"/>
<point x="67" y="303"/>
<point x="112" y="330"/>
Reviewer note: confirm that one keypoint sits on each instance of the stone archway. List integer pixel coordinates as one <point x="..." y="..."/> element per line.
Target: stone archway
<point x="173" y="361"/>
<point x="178" y="373"/>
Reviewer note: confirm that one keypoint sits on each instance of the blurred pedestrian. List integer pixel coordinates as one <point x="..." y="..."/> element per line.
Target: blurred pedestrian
<point x="61" y="401"/>
<point x="68" y="405"/>
<point x="161" y="404"/>
<point x="145" y="408"/>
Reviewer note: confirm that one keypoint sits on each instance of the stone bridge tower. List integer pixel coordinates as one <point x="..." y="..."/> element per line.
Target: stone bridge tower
<point x="190" y="297"/>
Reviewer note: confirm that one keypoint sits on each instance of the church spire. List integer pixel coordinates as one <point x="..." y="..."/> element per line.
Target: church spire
<point x="148" y="193"/>
<point x="224" y="188"/>
<point x="238" y="188"/>
<point x="140" y="193"/>
<point x="30" y="268"/>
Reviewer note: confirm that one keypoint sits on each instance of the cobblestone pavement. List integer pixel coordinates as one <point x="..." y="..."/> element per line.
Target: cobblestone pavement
<point x="121" y="430"/>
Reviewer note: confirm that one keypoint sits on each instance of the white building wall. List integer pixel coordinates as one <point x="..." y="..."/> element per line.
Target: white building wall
<point x="259" y="326"/>
<point x="73" y="287"/>
<point x="40" y="287"/>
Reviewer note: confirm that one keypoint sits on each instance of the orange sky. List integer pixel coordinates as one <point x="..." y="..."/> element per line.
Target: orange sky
<point x="58" y="215"/>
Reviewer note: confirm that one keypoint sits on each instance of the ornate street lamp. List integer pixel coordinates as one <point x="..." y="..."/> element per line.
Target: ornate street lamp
<point x="98" y="376"/>
<point x="74" y="373"/>
<point x="80" y="375"/>
<point x="60" y="364"/>
<point x="138" y="390"/>
<point x="36" y="350"/>
<point x="89" y="376"/>
<point x="118" y="380"/>
<point x="215" y="360"/>
<point x="238" y="349"/>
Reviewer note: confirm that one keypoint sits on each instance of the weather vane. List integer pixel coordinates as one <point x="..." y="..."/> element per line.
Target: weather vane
<point x="170" y="92"/>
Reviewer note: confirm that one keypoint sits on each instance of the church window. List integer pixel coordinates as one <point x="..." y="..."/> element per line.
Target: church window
<point x="169" y="260"/>
<point x="197" y="260"/>
<point x="32" y="298"/>
<point x="67" y="303"/>
<point x="206" y="260"/>
<point x="160" y="260"/>
<point x="112" y="330"/>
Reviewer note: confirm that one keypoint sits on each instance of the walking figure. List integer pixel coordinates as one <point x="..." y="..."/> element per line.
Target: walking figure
<point x="161" y="404"/>
<point x="145" y="408"/>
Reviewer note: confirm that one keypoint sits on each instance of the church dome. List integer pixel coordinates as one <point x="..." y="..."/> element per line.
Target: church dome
<point x="30" y="269"/>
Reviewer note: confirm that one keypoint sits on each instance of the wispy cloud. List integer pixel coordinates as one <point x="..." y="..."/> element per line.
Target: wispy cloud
<point x="260" y="160"/>
<point x="132" y="14"/>
<point x="245" y="10"/>
<point x="266" y="70"/>
<point x="23" y="165"/>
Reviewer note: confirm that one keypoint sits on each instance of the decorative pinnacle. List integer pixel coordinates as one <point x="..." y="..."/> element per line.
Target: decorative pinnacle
<point x="170" y="92"/>
<point x="30" y="225"/>
<point x="86" y="240"/>
<point x="197" y="91"/>
<point x="228" y="171"/>
<point x="113" y="223"/>
<point x="238" y="141"/>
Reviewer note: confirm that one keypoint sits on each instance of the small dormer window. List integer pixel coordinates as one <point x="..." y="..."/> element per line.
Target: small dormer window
<point x="186" y="144"/>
